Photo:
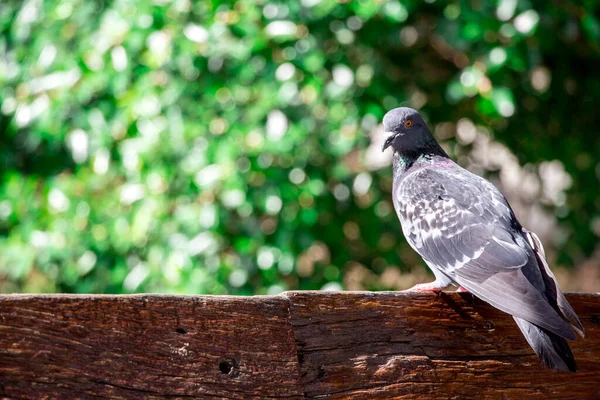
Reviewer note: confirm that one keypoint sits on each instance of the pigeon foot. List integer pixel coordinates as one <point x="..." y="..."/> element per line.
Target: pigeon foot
<point x="461" y="290"/>
<point x="425" y="287"/>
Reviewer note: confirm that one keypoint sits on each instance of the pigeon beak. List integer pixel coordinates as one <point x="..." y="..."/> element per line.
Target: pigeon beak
<point x="388" y="142"/>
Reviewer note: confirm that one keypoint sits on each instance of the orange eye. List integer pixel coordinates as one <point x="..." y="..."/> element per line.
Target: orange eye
<point x="407" y="123"/>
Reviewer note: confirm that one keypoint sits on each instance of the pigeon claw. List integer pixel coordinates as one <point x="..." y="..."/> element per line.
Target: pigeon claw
<point x="425" y="287"/>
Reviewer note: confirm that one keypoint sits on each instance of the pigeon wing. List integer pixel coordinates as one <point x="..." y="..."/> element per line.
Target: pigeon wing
<point x="462" y="225"/>
<point x="553" y="292"/>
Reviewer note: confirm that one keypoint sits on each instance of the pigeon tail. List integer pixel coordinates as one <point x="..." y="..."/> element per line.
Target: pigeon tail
<point x="553" y="350"/>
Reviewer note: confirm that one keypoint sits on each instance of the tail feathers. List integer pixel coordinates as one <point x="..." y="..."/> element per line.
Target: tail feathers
<point x="553" y="350"/>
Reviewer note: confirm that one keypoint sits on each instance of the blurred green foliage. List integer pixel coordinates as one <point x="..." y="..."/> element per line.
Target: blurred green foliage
<point x="171" y="146"/>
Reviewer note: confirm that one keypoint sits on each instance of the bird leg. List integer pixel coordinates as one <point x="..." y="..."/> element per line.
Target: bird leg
<point x="461" y="290"/>
<point x="435" y="286"/>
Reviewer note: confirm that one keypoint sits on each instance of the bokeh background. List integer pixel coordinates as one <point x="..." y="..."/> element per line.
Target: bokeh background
<point x="205" y="147"/>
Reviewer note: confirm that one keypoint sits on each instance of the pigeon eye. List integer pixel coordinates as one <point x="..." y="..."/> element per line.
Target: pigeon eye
<point x="408" y="123"/>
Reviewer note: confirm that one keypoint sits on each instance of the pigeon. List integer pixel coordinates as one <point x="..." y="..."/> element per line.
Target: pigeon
<point x="467" y="234"/>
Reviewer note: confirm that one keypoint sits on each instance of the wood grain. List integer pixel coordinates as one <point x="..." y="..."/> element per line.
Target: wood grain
<point x="298" y="345"/>
<point x="132" y="347"/>
<point x="415" y="346"/>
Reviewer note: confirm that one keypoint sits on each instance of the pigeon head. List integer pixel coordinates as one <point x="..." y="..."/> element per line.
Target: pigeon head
<point x="408" y="134"/>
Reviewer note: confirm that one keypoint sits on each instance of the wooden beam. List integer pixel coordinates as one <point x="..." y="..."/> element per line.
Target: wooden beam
<point x="148" y="346"/>
<point x="395" y="345"/>
<point x="297" y="345"/>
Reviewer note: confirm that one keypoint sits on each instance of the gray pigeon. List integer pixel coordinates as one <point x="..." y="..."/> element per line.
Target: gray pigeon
<point x="468" y="235"/>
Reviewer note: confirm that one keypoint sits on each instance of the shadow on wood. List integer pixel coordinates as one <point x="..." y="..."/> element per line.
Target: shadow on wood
<point x="297" y="345"/>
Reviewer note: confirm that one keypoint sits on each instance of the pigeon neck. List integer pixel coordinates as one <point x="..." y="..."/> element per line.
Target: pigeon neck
<point x="405" y="159"/>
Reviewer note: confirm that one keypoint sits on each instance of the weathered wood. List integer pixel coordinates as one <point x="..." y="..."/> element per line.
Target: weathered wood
<point x="397" y="346"/>
<point x="132" y="347"/>
<point x="297" y="345"/>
